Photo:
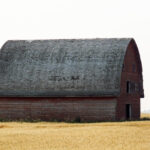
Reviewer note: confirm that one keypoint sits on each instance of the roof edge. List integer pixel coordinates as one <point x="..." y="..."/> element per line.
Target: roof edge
<point x="30" y="40"/>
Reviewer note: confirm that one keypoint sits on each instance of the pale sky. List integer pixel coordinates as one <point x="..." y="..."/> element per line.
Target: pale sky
<point x="53" y="19"/>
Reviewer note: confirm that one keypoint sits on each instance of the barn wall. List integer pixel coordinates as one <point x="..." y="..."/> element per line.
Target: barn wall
<point x="87" y="109"/>
<point x="130" y="73"/>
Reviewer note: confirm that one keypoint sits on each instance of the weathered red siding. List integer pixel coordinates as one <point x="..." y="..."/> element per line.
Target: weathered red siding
<point x="129" y="74"/>
<point x="85" y="109"/>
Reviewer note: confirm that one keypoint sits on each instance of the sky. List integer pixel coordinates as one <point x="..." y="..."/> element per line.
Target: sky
<point x="53" y="19"/>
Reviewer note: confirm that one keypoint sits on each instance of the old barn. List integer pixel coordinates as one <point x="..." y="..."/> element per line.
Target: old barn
<point x="70" y="79"/>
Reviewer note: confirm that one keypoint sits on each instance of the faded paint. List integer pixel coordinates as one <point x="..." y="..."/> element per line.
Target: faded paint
<point x="86" y="109"/>
<point x="62" y="68"/>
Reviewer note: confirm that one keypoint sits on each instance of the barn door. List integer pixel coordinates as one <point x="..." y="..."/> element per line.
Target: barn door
<point x="128" y="111"/>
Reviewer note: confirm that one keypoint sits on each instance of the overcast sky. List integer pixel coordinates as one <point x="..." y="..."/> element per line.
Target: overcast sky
<point x="46" y="19"/>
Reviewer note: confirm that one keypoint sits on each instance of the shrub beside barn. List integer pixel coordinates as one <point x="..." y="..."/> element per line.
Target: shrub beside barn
<point x="71" y="79"/>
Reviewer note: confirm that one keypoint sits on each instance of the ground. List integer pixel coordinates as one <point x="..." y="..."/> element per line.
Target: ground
<point x="131" y="135"/>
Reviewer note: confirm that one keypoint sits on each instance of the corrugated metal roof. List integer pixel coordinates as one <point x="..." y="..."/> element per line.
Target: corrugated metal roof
<point x="65" y="67"/>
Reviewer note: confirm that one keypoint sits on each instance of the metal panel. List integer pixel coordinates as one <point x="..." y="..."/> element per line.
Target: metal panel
<point x="83" y="67"/>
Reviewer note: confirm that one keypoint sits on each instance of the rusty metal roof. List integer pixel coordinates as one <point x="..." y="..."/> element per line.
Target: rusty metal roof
<point x="62" y="68"/>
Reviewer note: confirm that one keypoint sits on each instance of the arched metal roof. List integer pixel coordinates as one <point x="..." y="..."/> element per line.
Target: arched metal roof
<point x="62" y="68"/>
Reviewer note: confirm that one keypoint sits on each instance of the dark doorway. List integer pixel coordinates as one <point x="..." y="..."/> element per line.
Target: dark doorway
<point x="128" y="111"/>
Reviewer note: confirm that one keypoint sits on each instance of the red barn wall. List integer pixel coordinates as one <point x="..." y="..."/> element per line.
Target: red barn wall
<point x="87" y="109"/>
<point x="131" y="72"/>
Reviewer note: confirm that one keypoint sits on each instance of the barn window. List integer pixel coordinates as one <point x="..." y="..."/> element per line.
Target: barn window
<point x="128" y="86"/>
<point x="136" y="87"/>
<point x="132" y="87"/>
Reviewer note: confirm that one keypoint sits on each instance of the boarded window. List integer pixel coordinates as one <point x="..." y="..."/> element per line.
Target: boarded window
<point x="133" y="87"/>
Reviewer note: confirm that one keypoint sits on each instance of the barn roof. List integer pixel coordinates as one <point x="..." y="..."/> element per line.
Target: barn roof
<point x="64" y="67"/>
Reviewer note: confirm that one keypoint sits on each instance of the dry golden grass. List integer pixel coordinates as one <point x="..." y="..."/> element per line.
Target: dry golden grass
<point x="134" y="135"/>
<point x="144" y="115"/>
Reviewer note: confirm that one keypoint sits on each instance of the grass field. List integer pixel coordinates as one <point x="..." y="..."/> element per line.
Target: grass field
<point x="134" y="135"/>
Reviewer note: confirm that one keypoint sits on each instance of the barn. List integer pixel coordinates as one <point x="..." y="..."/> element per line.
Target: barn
<point x="71" y="79"/>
